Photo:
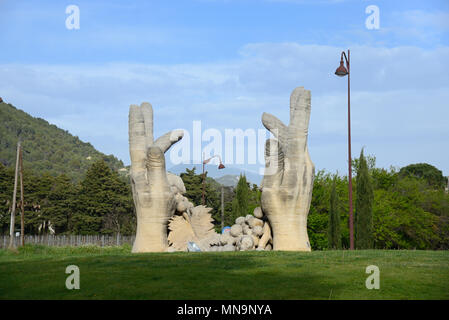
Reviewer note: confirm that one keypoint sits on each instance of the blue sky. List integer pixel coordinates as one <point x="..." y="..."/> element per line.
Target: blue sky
<point x="225" y="62"/>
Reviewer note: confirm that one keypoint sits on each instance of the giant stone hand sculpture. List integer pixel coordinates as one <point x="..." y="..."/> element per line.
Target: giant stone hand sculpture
<point x="288" y="180"/>
<point x="153" y="198"/>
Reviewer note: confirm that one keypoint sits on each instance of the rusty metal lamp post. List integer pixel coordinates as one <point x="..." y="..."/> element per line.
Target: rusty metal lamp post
<point x="220" y="166"/>
<point x="341" y="72"/>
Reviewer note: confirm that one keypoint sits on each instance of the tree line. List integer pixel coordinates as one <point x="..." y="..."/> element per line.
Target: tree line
<point x="101" y="203"/>
<point x="393" y="209"/>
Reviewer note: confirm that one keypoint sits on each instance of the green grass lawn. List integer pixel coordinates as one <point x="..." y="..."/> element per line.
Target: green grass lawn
<point x="38" y="272"/>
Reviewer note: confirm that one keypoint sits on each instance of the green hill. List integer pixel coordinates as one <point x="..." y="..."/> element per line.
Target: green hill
<point x="46" y="148"/>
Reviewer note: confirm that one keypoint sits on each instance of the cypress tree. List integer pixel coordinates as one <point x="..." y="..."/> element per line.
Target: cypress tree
<point x="240" y="203"/>
<point x="364" y="206"/>
<point x="334" y="235"/>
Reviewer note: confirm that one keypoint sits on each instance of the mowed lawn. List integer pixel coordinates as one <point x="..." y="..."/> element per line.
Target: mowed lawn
<point x="38" y="272"/>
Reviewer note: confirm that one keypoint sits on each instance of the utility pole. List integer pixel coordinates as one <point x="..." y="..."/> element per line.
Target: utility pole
<point x="203" y="200"/>
<point x="22" y="206"/>
<point x="222" y="207"/>
<point x="13" y="209"/>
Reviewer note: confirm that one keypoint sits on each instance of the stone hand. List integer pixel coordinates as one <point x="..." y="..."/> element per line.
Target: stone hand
<point x="288" y="180"/>
<point x="154" y="200"/>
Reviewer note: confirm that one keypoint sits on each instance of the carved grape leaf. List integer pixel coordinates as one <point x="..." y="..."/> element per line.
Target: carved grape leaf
<point x="180" y="233"/>
<point x="201" y="221"/>
<point x="195" y="228"/>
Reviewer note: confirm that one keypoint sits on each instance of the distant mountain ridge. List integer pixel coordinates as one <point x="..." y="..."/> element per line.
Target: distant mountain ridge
<point x="226" y="176"/>
<point x="46" y="148"/>
<point x="229" y="180"/>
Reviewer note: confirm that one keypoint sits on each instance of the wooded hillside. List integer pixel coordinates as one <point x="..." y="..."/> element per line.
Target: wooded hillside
<point x="46" y="148"/>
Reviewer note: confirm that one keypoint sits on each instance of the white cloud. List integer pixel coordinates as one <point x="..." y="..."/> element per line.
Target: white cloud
<point x="399" y="98"/>
<point x="420" y="18"/>
<point x="428" y="28"/>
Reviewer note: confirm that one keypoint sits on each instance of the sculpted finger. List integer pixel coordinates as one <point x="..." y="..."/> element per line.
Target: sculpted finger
<point x="167" y="140"/>
<point x="274" y="164"/>
<point x="299" y="124"/>
<point x="137" y="145"/>
<point x="305" y="190"/>
<point x="275" y="126"/>
<point x="147" y="112"/>
<point x="300" y="108"/>
<point x="155" y="164"/>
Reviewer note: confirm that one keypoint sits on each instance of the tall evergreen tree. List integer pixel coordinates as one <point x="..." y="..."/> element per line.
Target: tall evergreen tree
<point x="193" y="184"/>
<point x="334" y="235"/>
<point x="60" y="204"/>
<point x="254" y="195"/>
<point x="6" y="186"/>
<point x="364" y="206"/>
<point x="240" y="202"/>
<point x="194" y="189"/>
<point x="104" y="203"/>
<point x="229" y="197"/>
